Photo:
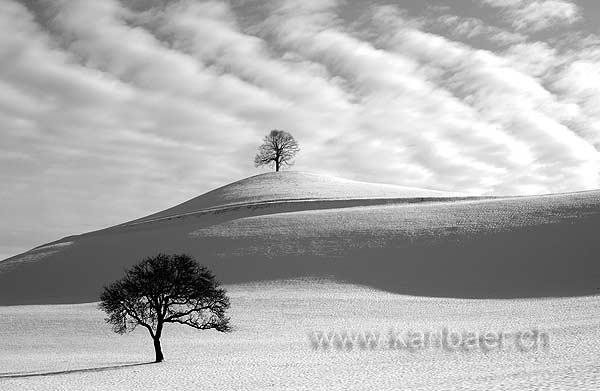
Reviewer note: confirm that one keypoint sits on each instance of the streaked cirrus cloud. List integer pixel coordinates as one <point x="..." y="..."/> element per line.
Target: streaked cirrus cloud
<point x="535" y="15"/>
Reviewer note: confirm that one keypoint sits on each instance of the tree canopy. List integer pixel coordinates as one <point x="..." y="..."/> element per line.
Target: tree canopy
<point x="278" y="149"/>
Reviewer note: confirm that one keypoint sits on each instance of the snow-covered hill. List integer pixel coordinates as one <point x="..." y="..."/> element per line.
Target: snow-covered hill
<point x="294" y="186"/>
<point x="287" y="225"/>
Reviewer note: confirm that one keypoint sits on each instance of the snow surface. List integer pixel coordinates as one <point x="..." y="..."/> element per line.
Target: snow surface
<point x="68" y="347"/>
<point x="293" y="185"/>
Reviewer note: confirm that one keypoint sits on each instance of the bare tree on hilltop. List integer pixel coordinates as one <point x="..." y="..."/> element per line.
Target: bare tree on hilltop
<point x="278" y="149"/>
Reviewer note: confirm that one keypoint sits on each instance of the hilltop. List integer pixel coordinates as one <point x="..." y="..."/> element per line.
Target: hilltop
<point x="292" y="186"/>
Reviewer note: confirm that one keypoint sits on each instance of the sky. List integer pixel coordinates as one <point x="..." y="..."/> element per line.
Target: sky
<point x="111" y="110"/>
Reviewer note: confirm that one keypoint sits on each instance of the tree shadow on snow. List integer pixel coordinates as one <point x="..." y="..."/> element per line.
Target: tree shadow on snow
<point x="15" y="375"/>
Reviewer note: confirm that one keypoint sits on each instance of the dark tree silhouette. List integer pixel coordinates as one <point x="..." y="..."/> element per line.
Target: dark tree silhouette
<point x="165" y="289"/>
<point x="278" y="149"/>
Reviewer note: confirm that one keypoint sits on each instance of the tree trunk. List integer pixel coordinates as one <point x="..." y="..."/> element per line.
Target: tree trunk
<point x="276" y="165"/>
<point x="158" y="350"/>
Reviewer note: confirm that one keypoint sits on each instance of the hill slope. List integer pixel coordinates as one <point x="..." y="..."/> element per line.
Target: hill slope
<point x="402" y="240"/>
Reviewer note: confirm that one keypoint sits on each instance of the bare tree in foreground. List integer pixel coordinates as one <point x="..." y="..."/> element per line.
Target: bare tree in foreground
<point x="278" y="149"/>
<point x="165" y="289"/>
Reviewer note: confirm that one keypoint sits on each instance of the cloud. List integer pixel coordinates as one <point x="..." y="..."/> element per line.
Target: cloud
<point x="536" y="15"/>
<point x="468" y="27"/>
<point x="532" y="58"/>
<point x="115" y="109"/>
